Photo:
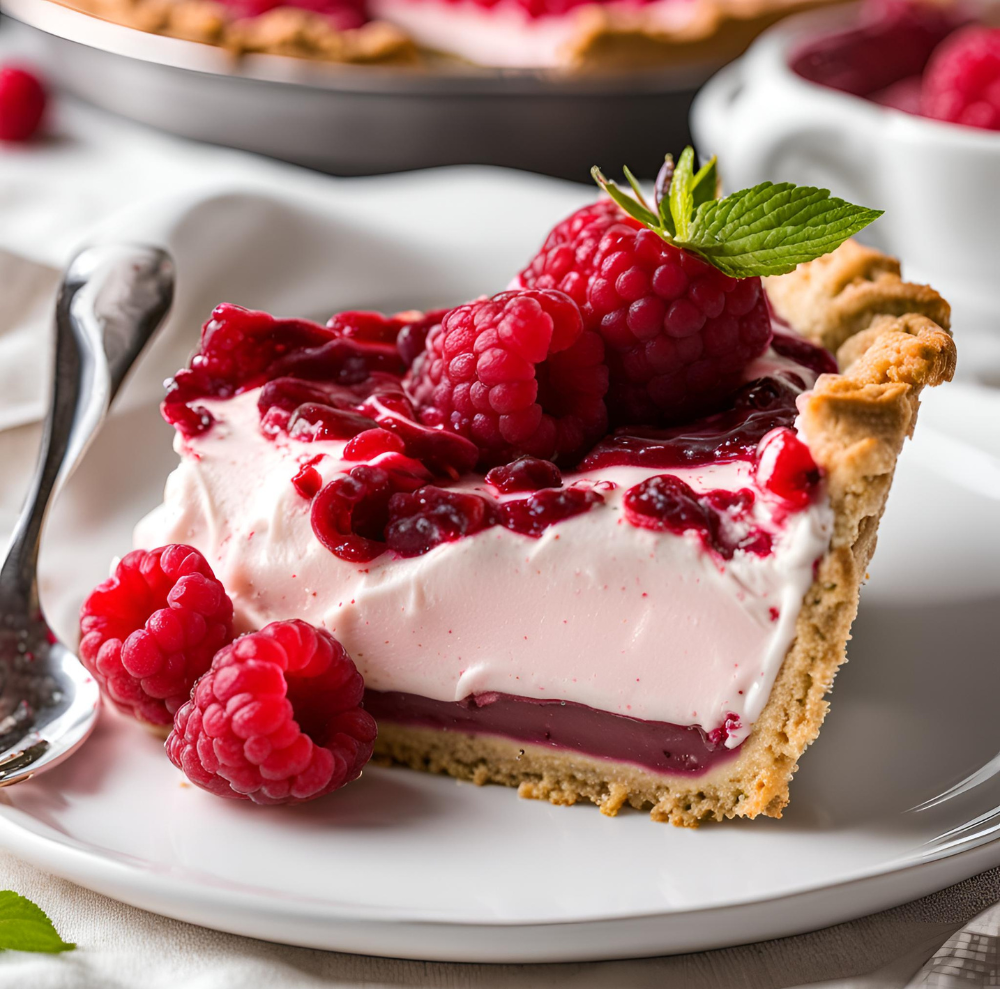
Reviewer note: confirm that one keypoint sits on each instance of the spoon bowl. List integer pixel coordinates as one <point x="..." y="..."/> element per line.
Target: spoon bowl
<point x="111" y="302"/>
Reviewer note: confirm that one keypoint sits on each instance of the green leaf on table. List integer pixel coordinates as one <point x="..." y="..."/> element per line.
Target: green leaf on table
<point x="25" y="927"/>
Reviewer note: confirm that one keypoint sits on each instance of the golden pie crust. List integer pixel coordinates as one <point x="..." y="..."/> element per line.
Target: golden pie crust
<point x="604" y="40"/>
<point x="892" y="340"/>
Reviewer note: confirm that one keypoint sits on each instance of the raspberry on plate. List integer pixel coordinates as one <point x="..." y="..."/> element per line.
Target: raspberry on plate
<point x="962" y="81"/>
<point x="151" y="629"/>
<point x="515" y="374"/>
<point x="278" y="719"/>
<point x="678" y="331"/>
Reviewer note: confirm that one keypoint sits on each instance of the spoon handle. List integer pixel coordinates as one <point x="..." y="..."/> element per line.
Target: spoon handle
<point x="111" y="301"/>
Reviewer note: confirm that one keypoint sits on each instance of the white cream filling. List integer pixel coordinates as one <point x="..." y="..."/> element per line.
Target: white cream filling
<point x="596" y="611"/>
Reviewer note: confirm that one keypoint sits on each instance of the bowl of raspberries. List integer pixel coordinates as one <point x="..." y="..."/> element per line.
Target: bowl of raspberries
<point x="889" y="102"/>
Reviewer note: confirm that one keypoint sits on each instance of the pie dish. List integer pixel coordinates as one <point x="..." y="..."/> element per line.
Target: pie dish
<point x="610" y="631"/>
<point x="511" y="34"/>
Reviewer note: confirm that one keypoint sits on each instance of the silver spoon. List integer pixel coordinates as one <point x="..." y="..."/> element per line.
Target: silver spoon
<point x="111" y="301"/>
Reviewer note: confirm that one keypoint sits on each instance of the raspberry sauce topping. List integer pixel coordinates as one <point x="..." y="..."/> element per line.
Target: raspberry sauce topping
<point x="786" y="469"/>
<point x="531" y="516"/>
<point x="758" y="407"/>
<point x="525" y="474"/>
<point x="343" y="14"/>
<point x="334" y="384"/>
<point x="350" y="515"/>
<point x="430" y="516"/>
<point x="718" y="517"/>
<point x="409" y="407"/>
<point x="242" y="349"/>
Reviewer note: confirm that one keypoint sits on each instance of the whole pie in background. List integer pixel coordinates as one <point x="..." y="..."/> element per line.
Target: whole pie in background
<point x="523" y="34"/>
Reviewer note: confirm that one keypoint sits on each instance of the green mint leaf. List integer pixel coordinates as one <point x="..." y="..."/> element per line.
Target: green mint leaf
<point x="705" y="184"/>
<point x="770" y="229"/>
<point x="631" y="206"/>
<point x="25" y="927"/>
<point x="681" y="195"/>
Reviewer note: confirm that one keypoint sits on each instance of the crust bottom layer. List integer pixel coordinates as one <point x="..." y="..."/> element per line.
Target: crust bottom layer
<point x="560" y="776"/>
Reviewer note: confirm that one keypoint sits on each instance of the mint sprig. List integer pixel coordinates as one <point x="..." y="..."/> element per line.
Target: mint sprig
<point x="26" y="927"/>
<point x="766" y="230"/>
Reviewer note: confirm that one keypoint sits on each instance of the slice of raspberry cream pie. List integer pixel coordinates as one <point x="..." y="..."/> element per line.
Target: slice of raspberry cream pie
<point x="599" y="536"/>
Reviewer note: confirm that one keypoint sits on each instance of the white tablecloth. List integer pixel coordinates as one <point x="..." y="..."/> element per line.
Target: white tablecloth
<point x="59" y="193"/>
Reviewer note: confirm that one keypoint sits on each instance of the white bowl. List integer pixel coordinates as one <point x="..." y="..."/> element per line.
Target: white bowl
<point x="938" y="183"/>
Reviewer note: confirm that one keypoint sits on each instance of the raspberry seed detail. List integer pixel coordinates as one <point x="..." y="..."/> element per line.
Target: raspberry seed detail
<point x="151" y="629"/>
<point x="277" y="720"/>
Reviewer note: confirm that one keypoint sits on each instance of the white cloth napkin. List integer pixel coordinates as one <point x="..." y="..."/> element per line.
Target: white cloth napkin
<point x="98" y="176"/>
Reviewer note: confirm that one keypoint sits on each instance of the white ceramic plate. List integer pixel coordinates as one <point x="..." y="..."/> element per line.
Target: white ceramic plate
<point x="409" y="865"/>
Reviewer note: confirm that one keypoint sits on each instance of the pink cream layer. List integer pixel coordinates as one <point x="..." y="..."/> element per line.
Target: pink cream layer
<point x="596" y="611"/>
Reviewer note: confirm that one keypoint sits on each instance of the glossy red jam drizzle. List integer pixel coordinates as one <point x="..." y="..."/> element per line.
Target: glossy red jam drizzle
<point x="425" y="518"/>
<point x="525" y="474"/>
<point x="343" y="381"/>
<point x="758" y="407"/>
<point x="307" y="481"/>
<point x="719" y="517"/>
<point x="242" y="349"/>
<point x="785" y="468"/>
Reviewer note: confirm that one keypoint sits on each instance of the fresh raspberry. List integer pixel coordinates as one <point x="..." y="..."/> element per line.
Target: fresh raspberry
<point x="22" y="104"/>
<point x="962" y="80"/>
<point x="148" y="632"/>
<point x="891" y="42"/>
<point x="277" y="720"/>
<point x="515" y="374"/>
<point x="678" y="331"/>
<point x="566" y="260"/>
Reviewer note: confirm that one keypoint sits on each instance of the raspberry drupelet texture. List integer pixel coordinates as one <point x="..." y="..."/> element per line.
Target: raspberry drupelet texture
<point x="515" y="374"/>
<point x="962" y="81"/>
<point x="150" y="630"/>
<point x="278" y="719"/>
<point x="566" y="260"/>
<point x="678" y="332"/>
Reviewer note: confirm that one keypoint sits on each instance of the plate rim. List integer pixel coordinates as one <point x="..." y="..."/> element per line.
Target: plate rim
<point x="822" y="906"/>
<point x="65" y="843"/>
